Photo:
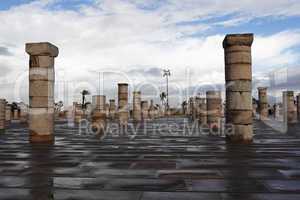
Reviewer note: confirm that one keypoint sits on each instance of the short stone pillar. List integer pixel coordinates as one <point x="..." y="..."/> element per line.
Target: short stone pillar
<point x="214" y="109"/>
<point x="136" y="107"/>
<point x="7" y="114"/>
<point x="123" y="106"/>
<point x="298" y="107"/>
<point x="23" y="113"/>
<point x="41" y="91"/>
<point x="16" y="114"/>
<point x="238" y="76"/>
<point x="289" y="109"/>
<point x="99" y="114"/>
<point x="2" y="115"/>
<point x="78" y="112"/>
<point x="191" y="107"/>
<point x="263" y="103"/>
<point x="202" y="112"/>
<point x="107" y="110"/>
<point x="151" y="110"/>
<point x="145" y="110"/>
<point x="112" y="109"/>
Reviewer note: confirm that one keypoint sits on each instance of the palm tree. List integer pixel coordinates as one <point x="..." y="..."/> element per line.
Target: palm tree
<point x="58" y="106"/>
<point x="84" y="93"/>
<point x="163" y="97"/>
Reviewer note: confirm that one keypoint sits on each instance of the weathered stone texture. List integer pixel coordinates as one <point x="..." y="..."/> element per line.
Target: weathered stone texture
<point x="238" y="76"/>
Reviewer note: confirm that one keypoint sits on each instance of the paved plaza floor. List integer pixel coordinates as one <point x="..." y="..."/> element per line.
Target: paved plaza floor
<point x="163" y="166"/>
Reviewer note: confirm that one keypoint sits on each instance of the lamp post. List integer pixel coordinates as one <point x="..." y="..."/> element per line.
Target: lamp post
<point x="167" y="73"/>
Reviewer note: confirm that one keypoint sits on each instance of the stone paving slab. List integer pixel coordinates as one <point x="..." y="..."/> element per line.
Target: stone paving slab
<point x="150" y="167"/>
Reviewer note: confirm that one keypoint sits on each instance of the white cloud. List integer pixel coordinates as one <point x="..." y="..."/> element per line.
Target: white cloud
<point x="117" y="35"/>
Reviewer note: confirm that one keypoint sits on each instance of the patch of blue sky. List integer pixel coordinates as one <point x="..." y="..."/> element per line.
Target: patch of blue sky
<point x="69" y="4"/>
<point x="7" y="4"/>
<point x="261" y="26"/>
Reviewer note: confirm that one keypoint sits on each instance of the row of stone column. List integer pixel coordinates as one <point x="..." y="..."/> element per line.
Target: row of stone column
<point x="207" y="111"/>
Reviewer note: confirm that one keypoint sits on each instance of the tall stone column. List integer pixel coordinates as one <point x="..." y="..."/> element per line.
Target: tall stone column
<point x="145" y="110"/>
<point x="214" y="107"/>
<point x="2" y="115"/>
<point x="263" y="103"/>
<point x="99" y="114"/>
<point x="202" y="112"/>
<point x="112" y="109"/>
<point x="137" y="110"/>
<point x="123" y="106"/>
<point x="41" y="91"/>
<point x="238" y="76"/>
<point x="289" y="109"/>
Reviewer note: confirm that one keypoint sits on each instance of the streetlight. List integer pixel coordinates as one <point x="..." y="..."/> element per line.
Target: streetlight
<point x="166" y="74"/>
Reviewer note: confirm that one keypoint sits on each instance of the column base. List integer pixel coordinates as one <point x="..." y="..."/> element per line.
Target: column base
<point x="35" y="138"/>
<point x="238" y="139"/>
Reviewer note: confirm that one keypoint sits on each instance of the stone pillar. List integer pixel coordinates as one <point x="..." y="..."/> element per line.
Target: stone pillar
<point x="289" y="109"/>
<point x="2" y="115"/>
<point x="7" y="114"/>
<point x="23" y="113"/>
<point x="107" y="110"/>
<point x="16" y="115"/>
<point x="298" y="106"/>
<point x="41" y="91"/>
<point x="263" y="103"/>
<point x="191" y="107"/>
<point x="151" y="110"/>
<point x="99" y="114"/>
<point x="202" y="112"/>
<point x="112" y="109"/>
<point x="197" y="108"/>
<point x="78" y="112"/>
<point x="123" y="106"/>
<point x="137" y="110"/>
<point x="238" y="76"/>
<point x="214" y="107"/>
<point x="145" y="110"/>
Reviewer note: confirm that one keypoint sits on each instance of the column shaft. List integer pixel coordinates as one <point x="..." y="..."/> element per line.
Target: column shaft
<point x="41" y="91"/>
<point x="238" y="76"/>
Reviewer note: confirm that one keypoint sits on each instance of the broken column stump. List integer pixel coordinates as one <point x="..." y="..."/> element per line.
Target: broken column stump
<point x="289" y="108"/>
<point x="99" y="114"/>
<point x="263" y="103"/>
<point x="41" y="91"/>
<point x="238" y="76"/>
<point x="214" y="106"/>
<point x="123" y="106"/>
<point x="145" y="110"/>
<point x="202" y="112"/>
<point x="137" y="110"/>
<point x="2" y="115"/>
<point x="112" y="109"/>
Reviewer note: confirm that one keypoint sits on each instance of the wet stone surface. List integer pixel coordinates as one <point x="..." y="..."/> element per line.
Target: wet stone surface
<point x="150" y="167"/>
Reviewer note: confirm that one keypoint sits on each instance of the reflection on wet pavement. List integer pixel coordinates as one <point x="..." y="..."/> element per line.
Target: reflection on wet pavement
<point x="150" y="167"/>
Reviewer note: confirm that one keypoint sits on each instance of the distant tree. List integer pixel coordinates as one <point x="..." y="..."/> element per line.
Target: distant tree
<point x="84" y="93"/>
<point x="58" y="106"/>
<point x="14" y="106"/>
<point x="163" y="97"/>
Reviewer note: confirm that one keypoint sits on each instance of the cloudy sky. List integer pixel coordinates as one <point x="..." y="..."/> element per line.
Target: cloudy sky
<point x="133" y="40"/>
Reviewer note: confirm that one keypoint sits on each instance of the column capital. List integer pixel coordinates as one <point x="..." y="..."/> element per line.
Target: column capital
<point x="42" y="49"/>
<point x="262" y="88"/>
<point x="238" y="40"/>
